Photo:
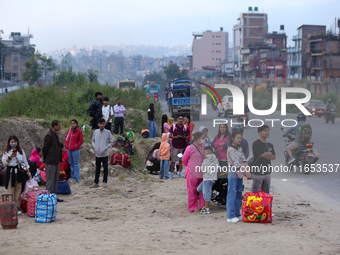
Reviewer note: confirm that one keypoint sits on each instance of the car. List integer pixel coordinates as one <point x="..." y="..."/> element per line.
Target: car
<point x="227" y="106"/>
<point x="315" y="107"/>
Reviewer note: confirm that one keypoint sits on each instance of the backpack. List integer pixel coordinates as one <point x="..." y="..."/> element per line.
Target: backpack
<point x="305" y="133"/>
<point x="145" y="133"/>
<point x="123" y="139"/>
<point x="131" y="136"/>
<point x="63" y="187"/>
<point x="90" y="110"/>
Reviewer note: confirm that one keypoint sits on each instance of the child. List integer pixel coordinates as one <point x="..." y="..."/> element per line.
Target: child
<point x="204" y="130"/>
<point x="170" y="121"/>
<point x="100" y="140"/>
<point x="164" y="153"/>
<point x="209" y="169"/>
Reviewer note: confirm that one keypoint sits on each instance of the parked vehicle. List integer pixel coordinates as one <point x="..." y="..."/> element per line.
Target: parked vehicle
<point x="127" y="84"/>
<point x="244" y="117"/>
<point x="304" y="155"/>
<point x="330" y="115"/>
<point x="227" y="106"/>
<point x="315" y="107"/>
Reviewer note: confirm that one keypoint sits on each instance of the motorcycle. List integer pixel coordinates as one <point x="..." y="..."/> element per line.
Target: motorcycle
<point x="244" y="117"/>
<point x="304" y="155"/>
<point x="155" y="97"/>
<point x="330" y="115"/>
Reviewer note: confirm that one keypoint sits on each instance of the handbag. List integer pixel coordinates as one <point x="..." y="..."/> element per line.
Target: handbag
<point x="240" y="174"/>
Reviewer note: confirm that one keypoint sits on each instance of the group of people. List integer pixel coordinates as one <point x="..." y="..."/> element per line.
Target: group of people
<point x="170" y="94"/>
<point x="101" y="109"/>
<point x="205" y="160"/>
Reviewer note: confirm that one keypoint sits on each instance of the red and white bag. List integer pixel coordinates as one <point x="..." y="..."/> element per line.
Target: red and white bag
<point x="31" y="199"/>
<point x="257" y="207"/>
<point x="120" y="159"/>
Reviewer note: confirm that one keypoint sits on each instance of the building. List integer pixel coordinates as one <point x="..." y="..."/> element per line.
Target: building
<point x="250" y="29"/>
<point x="17" y="52"/>
<point x="210" y="50"/>
<point x="296" y="56"/>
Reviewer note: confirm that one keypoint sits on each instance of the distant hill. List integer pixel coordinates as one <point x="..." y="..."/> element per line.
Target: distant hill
<point x="129" y="50"/>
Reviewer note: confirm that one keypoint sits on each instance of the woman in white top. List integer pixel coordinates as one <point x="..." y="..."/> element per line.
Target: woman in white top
<point x="15" y="179"/>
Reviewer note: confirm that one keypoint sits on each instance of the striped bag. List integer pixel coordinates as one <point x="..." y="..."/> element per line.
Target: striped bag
<point x="31" y="197"/>
<point x="46" y="208"/>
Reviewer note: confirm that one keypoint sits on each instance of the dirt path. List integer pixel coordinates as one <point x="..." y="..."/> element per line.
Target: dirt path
<point x="144" y="215"/>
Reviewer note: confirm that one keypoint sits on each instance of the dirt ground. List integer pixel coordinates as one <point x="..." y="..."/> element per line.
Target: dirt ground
<point x="139" y="214"/>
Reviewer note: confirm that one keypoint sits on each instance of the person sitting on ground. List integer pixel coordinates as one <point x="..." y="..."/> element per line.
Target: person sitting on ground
<point x="36" y="156"/>
<point x="209" y="169"/>
<point x="204" y="131"/>
<point x="153" y="160"/>
<point x="64" y="165"/>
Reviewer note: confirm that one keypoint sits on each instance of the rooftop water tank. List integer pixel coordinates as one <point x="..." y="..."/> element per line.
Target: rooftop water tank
<point x="250" y="8"/>
<point x="256" y="9"/>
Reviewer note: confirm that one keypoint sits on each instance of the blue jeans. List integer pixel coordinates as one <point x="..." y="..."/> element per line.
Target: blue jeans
<point x="74" y="164"/>
<point x="234" y="197"/>
<point x="205" y="187"/>
<point x="152" y="129"/>
<point x="164" y="169"/>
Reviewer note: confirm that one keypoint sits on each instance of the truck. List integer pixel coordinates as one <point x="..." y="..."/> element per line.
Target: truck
<point x="152" y="88"/>
<point x="183" y="104"/>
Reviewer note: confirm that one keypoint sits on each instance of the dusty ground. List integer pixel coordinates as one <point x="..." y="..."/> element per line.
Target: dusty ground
<point x="140" y="214"/>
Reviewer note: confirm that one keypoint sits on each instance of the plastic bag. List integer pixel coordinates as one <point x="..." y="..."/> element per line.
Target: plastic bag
<point x="31" y="185"/>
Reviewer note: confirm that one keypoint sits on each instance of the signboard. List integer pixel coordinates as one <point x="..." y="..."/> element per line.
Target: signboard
<point x="179" y="101"/>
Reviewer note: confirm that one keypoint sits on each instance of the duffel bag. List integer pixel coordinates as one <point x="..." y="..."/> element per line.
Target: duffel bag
<point x="46" y="208"/>
<point x="63" y="187"/>
<point x="257" y="207"/>
<point x="121" y="159"/>
<point x="31" y="198"/>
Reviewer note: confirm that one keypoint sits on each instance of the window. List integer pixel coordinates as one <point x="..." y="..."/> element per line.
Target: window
<point x="277" y="40"/>
<point x="213" y="58"/>
<point x="213" y="36"/>
<point x="213" y="51"/>
<point x="220" y="44"/>
<point x="213" y="43"/>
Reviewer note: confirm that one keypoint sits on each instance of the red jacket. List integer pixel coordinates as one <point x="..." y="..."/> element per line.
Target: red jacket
<point x="74" y="140"/>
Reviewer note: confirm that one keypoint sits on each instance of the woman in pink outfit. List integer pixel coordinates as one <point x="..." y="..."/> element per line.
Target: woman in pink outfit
<point x="194" y="156"/>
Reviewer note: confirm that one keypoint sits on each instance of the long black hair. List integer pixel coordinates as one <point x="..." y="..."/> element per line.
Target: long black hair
<point x="152" y="109"/>
<point x="155" y="147"/>
<point x="233" y="135"/>
<point x="74" y="120"/>
<point x="164" y="120"/>
<point x="219" y="132"/>
<point x="8" y="146"/>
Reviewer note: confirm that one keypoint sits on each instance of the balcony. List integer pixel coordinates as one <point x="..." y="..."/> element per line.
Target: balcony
<point x="245" y="62"/>
<point x="245" y="51"/>
<point x="318" y="66"/>
<point x="294" y="50"/>
<point x="297" y="37"/>
<point x="294" y="63"/>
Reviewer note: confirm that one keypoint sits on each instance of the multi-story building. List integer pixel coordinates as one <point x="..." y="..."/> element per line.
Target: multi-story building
<point x="250" y="29"/>
<point x="296" y="56"/>
<point x="210" y="50"/>
<point x="17" y="52"/>
<point x="323" y="53"/>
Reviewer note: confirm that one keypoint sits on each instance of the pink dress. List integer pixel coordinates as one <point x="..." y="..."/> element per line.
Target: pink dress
<point x="192" y="158"/>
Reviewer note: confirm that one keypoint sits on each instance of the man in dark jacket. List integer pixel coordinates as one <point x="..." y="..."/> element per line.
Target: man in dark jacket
<point x="97" y="108"/>
<point x="52" y="157"/>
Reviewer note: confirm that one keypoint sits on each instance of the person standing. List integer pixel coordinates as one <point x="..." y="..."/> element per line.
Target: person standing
<point x="15" y="180"/>
<point x="73" y="141"/>
<point x="119" y="117"/>
<point x="101" y="141"/>
<point x="97" y="109"/>
<point x="52" y="155"/>
<point x="192" y="158"/>
<point x="190" y="126"/>
<point x="164" y="153"/>
<point x="178" y="134"/>
<point x="107" y="113"/>
<point x="220" y="143"/>
<point x="152" y="121"/>
<point x="263" y="154"/>
<point x="188" y="92"/>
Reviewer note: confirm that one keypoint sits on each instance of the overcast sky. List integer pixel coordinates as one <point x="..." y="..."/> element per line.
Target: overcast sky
<point x="64" y="23"/>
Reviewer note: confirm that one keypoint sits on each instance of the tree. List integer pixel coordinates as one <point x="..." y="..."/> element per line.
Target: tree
<point x="37" y="66"/>
<point x="92" y="75"/>
<point x="172" y="71"/>
<point x="156" y="77"/>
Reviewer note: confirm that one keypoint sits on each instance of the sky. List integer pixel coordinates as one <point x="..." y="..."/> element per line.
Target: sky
<point x="61" y="24"/>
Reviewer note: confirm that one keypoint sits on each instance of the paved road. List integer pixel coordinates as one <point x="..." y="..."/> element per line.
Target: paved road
<point x="326" y="138"/>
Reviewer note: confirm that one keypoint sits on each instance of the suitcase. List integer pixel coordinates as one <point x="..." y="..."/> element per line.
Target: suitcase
<point x="63" y="187"/>
<point x="31" y="197"/>
<point x="120" y="159"/>
<point x="46" y="208"/>
<point x="257" y="207"/>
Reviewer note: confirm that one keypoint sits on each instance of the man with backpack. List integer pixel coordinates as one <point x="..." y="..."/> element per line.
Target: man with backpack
<point x="303" y="134"/>
<point x="95" y="109"/>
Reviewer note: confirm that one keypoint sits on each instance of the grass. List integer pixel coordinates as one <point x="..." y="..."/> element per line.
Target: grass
<point x="122" y="177"/>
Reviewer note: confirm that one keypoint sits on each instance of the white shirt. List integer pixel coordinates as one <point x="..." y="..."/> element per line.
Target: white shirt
<point x="107" y="112"/>
<point x="14" y="161"/>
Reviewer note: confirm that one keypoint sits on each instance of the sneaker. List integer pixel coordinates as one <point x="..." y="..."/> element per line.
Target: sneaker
<point x="240" y="217"/>
<point x="94" y="185"/>
<point x="171" y="175"/>
<point x="166" y="177"/>
<point x="291" y="161"/>
<point x="180" y="175"/>
<point x="205" y="210"/>
<point x="104" y="185"/>
<point x="214" y="194"/>
<point x="233" y="220"/>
